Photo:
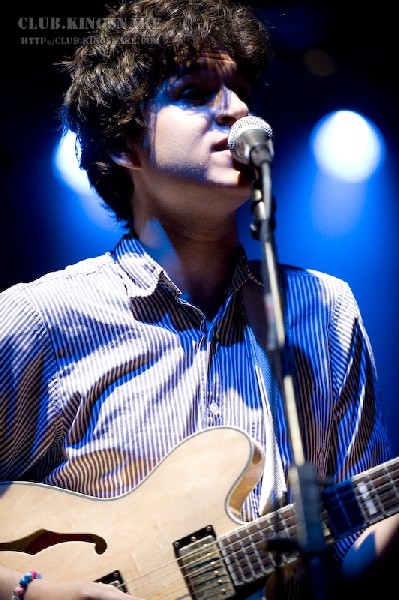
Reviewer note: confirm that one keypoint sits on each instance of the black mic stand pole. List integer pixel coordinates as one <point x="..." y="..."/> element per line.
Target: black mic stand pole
<point x="310" y="537"/>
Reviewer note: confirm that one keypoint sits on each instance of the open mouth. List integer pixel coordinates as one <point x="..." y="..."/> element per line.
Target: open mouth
<point x="221" y="145"/>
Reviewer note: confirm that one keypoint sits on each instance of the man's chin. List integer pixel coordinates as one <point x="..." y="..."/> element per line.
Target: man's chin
<point x="242" y="176"/>
<point x="246" y="175"/>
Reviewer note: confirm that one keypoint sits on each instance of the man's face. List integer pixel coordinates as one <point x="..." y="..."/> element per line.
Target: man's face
<point x="190" y="119"/>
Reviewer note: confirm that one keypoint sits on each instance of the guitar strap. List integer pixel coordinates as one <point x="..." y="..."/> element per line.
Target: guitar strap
<point x="274" y="487"/>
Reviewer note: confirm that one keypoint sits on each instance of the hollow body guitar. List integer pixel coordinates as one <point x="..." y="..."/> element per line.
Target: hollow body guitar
<point x="177" y="535"/>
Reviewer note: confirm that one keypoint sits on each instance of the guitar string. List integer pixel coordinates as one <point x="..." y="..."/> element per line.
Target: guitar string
<point x="380" y="493"/>
<point x="380" y="487"/>
<point x="275" y="521"/>
<point x="214" y="583"/>
<point x="236" y="553"/>
<point x="387" y="489"/>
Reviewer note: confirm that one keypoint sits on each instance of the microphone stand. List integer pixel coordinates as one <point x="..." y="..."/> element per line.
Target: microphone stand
<point x="310" y="540"/>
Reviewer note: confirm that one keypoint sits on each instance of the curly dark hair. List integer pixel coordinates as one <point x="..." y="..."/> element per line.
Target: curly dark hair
<point x="138" y="46"/>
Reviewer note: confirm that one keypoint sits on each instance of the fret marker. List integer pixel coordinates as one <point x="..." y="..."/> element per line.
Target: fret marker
<point x="370" y="506"/>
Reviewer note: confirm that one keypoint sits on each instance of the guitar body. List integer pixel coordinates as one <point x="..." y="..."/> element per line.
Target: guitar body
<point x="203" y="481"/>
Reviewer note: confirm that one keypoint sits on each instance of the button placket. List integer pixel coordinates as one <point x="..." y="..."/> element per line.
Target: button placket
<point x="214" y="395"/>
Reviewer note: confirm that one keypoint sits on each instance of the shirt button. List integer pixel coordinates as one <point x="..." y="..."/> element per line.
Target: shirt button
<point x="214" y="408"/>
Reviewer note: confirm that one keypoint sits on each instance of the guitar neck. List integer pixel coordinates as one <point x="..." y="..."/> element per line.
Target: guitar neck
<point x="245" y="550"/>
<point x="365" y="499"/>
<point x="349" y="507"/>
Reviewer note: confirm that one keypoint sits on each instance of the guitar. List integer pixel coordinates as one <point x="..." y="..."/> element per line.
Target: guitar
<point x="178" y="534"/>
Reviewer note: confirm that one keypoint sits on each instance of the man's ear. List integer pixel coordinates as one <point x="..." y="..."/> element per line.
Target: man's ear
<point x="129" y="159"/>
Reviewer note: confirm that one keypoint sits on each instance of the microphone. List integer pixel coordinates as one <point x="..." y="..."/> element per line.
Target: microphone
<point x="249" y="141"/>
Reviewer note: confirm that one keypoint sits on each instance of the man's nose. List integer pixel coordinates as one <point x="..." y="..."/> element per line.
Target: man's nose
<point x="230" y="107"/>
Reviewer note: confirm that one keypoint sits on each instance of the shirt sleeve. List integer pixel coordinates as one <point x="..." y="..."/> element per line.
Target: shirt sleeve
<point x="340" y="412"/>
<point x="28" y="413"/>
<point x="359" y="437"/>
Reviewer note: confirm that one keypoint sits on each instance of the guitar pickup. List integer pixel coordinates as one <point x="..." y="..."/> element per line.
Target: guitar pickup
<point x="203" y="567"/>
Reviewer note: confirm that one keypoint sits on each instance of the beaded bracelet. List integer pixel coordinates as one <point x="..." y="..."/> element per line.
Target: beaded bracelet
<point x="20" y="590"/>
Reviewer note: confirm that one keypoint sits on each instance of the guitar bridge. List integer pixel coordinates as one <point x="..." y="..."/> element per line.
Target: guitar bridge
<point x="203" y="566"/>
<point x="115" y="579"/>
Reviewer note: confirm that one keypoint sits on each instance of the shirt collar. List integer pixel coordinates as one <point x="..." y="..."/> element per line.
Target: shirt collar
<point x="145" y="274"/>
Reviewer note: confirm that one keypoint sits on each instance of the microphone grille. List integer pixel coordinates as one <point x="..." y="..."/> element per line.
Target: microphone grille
<point x="245" y="124"/>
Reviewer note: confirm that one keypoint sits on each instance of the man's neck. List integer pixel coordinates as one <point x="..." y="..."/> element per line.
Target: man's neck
<point x="201" y="268"/>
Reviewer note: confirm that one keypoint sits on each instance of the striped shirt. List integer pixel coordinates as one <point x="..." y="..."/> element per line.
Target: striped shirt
<point x="105" y="368"/>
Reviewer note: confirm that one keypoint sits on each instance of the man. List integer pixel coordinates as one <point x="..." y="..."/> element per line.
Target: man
<point x="110" y="365"/>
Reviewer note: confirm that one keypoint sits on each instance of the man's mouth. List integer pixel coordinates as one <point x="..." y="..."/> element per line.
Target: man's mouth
<point x="221" y="145"/>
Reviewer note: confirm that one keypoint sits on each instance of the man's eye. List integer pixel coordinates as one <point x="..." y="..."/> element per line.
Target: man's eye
<point x="203" y="94"/>
<point x="197" y="95"/>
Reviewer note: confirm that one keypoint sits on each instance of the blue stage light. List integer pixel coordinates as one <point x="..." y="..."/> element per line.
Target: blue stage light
<point x="66" y="163"/>
<point x="347" y="146"/>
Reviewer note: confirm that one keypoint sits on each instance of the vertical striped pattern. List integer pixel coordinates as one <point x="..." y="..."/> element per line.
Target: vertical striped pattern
<point x="104" y="369"/>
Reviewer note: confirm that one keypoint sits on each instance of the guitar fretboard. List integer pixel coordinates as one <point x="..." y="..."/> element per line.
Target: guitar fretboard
<point x="365" y="499"/>
<point x="349" y="507"/>
<point x="246" y="551"/>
